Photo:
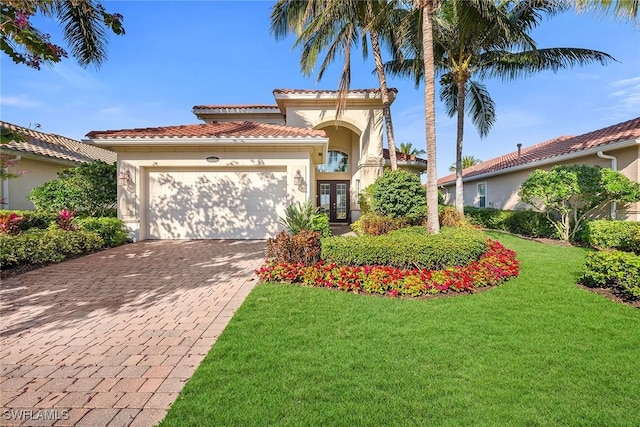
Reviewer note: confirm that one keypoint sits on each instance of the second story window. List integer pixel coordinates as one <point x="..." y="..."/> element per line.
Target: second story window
<point x="337" y="161"/>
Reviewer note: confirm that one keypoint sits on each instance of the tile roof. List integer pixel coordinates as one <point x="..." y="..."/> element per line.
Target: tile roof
<point x="56" y="146"/>
<point x="325" y="91"/>
<point x="236" y="107"/>
<point x="212" y="130"/>
<point x="556" y="147"/>
<point x="401" y="157"/>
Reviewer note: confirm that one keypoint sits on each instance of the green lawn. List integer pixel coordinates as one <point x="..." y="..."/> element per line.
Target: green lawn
<point x="537" y="350"/>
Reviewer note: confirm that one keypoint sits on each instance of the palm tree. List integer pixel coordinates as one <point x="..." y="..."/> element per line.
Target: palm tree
<point x="335" y="26"/>
<point x="408" y="149"/>
<point x="489" y="41"/>
<point x="426" y="9"/>
<point x="625" y="9"/>
<point x="84" y="26"/>
<point x="467" y="162"/>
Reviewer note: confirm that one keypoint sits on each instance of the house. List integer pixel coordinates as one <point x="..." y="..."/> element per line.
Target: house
<point x="495" y="183"/>
<point x="39" y="158"/>
<point x="233" y="176"/>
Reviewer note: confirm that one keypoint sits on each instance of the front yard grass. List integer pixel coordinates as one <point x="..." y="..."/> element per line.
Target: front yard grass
<point x="537" y="350"/>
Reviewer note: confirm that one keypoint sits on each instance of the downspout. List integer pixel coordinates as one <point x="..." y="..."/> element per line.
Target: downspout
<point x="614" y="167"/>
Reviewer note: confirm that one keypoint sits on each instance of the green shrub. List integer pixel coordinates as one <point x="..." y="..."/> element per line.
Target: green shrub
<point x="399" y="194"/>
<point x="303" y="248"/>
<point x="613" y="269"/>
<point x="43" y="246"/>
<point x="34" y="219"/>
<point x="111" y="230"/>
<point x="530" y="224"/>
<point x="407" y="248"/>
<point x="621" y="235"/>
<point x="524" y="223"/>
<point x="320" y="223"/>
<point x="373" y="224"/>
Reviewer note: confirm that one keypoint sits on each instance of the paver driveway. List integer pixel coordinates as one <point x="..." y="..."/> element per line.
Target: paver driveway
<point x="112" y="337"/>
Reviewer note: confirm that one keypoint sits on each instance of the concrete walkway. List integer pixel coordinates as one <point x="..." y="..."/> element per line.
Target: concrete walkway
<point x="111" y="338"/>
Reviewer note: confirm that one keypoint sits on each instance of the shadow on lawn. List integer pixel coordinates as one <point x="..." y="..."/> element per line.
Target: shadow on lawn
<point x="128" y="278"/>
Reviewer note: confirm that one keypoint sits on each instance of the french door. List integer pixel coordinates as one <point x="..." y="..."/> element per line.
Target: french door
<point x="333" y="199"/>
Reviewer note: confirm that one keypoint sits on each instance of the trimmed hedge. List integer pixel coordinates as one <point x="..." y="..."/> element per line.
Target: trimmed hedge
<point x="524" y="223"/>
<point x="609" y="234"/>
<point x="44" y="246"/>
<point x="111" y="230"/>
<point x="374" y="224"/>
<point x="613" y="269"/>
<point x="407" y="248"/>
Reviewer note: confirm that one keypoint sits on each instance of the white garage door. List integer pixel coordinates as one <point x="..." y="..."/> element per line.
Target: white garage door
<point x="222" y="204"/>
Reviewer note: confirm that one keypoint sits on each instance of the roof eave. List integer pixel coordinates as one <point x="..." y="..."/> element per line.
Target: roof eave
<point x="42" y="157"/>
<point x="556" y="159"/>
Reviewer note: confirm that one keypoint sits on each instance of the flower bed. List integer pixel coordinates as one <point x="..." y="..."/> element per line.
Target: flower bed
<point x="495" y="266"/>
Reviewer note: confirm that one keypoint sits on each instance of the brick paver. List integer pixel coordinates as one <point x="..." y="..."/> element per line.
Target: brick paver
<point x="111" y="338"/>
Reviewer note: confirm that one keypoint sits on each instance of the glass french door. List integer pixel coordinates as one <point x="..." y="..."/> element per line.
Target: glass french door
<point x="333" y="199"/>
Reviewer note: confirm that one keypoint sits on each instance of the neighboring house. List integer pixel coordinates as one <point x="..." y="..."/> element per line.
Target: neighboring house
<point x="233" y="176"/>
<point x="40" y="157"/>
<point x="495" y="183"/>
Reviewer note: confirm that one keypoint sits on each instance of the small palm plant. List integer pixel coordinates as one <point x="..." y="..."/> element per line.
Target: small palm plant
<point x="305" y="217"/>
<point x="299" y="217"/>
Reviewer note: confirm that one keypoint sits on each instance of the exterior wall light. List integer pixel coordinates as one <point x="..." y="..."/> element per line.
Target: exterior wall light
<point x="124" y="177"/>
<point x="297" y="179"/>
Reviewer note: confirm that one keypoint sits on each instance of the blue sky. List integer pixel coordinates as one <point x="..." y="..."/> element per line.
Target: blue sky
<point x="179" y="54"/>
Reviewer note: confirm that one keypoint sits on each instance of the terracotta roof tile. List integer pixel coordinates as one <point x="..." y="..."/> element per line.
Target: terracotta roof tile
<point x="56" y="146"/>
<point x="212" y="130"/>
<point x="323" y="91"/>
<point x="401" y="157"/>
<point x="553" y="148"/>
<point x="236" y="106"/>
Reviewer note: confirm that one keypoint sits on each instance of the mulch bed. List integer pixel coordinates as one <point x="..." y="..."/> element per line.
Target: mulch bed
<point x="614" y="296"/>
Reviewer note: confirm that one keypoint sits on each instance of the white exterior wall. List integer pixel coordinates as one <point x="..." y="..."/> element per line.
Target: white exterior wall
<point x="134" y="195"/>
<point x="34" y="173"/>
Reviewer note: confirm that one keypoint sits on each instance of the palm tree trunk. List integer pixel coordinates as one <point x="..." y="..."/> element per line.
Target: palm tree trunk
<point x="459" y="140"/>
<point x="428" y="8"/>
<point x="386" y="105"/>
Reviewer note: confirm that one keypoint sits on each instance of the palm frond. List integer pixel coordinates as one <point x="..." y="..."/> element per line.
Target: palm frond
<point x="480" y="107"/>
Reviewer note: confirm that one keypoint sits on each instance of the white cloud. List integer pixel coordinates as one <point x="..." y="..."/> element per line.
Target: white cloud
<point x="19" y="101"/>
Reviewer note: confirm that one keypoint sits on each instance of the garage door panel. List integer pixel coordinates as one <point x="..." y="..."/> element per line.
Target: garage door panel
<point x="243" y="204"/>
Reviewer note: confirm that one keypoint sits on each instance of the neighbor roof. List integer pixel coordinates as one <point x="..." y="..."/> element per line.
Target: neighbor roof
<point x="237" y="107"/>
<point x="554" y="148"/>
<point x="55" y="146"/>
<point x="212" y="130"/>
<point x="402" y="157"/>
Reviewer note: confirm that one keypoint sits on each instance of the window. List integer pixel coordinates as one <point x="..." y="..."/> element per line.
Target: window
<point x="337" y="161"/>
<point x="482" y="195"/>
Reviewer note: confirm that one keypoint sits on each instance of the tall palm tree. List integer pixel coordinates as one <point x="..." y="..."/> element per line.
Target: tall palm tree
<point x="335" y="26"/>
<point x="468" y="42"/>
<point x="426" y="9"/>
<point x="467" y="162"/>
<point x="408" y="149"/>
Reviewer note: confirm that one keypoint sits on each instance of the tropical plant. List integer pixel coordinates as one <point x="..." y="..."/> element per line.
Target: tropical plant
<point x="90" y="187"/>
<point x="570" y="194"/>
<point x="84" y="24"/>
<point x="467" y="162"/>
<point x="399" y="194"/>
<point x="335" y="26"/>
<point x="625" y="9"/>
<point x="408" y="149"/>
<point x="305" y="217"/>
<point x="488" y="39"/>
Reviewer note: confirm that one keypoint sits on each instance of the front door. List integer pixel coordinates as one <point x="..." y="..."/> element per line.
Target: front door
<point x="333" y="199"/>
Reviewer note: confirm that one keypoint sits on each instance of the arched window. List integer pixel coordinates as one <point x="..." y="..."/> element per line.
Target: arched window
<point x="337" y="161"/>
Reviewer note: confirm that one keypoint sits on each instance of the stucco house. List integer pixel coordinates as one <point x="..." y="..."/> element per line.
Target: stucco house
<point x="495" y="183"/>
<point x="39" y="158"/>
<point x="233" y="176"/>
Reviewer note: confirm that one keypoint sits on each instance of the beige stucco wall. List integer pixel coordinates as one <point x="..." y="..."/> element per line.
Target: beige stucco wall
<point x="36" y="173"/>
<point x="133" y="197"/>
<point x="502" y="190"/>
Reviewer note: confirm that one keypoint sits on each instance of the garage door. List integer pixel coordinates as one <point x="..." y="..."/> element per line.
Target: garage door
<point x="221" y="204"/>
